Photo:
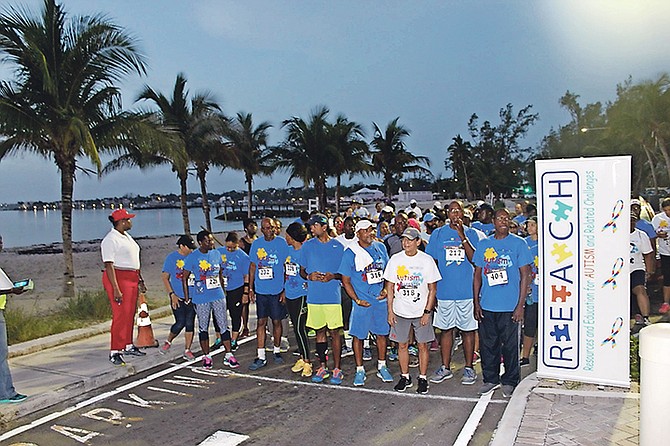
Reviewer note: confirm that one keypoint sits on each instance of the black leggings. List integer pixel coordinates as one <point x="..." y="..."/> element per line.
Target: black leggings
<point x="297" y="311"/>
<point x="346" y="308"/>
<point x="234" y="304"/>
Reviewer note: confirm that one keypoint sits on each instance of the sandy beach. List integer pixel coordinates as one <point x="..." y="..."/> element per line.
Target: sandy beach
<point x="46" y="269"/>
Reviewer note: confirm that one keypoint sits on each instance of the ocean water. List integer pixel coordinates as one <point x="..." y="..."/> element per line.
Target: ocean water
<point x="26" y="228"/>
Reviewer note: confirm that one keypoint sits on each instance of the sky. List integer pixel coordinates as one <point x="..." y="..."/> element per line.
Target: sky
<point x="431" y="63"/>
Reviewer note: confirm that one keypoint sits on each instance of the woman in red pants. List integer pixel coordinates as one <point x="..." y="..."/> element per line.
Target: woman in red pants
<point x="123" y="282"/>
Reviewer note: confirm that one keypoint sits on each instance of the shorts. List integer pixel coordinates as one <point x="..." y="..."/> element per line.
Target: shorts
<point x="530" y="320"/>
<point x="268" y="305"/>
<point x="665" y="269"/>
<point x="400" y="331"/>
<point x="455" y="313"/>
<point x="638" y="278"/>
<point x="324" y="315"/>
<point x="372" y="319"/>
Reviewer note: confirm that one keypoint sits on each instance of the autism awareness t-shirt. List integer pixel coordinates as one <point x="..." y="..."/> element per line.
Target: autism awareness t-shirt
<point x="323" y="258"/>
<point x="174" y="266"/>
<point x="295" y="285"/>
<point x="500" y="261"/>
<point x="639" y="245"/>
<point x="235" y="267"/>
<point x="369" y="282"/>
<point x="534" y="279"/>
<point x="447" y="249"/>
<point x="661" y="223"/>
<point x="269" y="258"/>
<point x="411" y="276"/>
<point x="205" y="268"/>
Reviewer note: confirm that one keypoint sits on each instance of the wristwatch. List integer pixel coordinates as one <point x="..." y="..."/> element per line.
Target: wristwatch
<point x="425" y="311"/>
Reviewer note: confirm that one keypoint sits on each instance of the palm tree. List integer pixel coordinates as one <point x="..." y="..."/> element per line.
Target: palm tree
<point x="307" y="153"/>
<point x="347" y="138"/>
<point x="460" y="161"/>
<point x="391" y="158"/>
<point x="63" y="103"/>
<point x="249" y="144"/>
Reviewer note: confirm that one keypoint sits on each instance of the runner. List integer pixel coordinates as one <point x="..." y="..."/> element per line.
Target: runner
<point x="235" y="282"/>
<point x="531" y="310"/>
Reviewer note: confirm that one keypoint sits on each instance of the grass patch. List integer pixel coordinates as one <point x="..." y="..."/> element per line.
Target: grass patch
<point x="86" y="309"/>
<point x="635" y="358"/>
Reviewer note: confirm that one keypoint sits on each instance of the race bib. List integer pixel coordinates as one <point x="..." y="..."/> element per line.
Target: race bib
<point x="374" y="276"/>
<point x="410" y="293"/>
<point x="536" y="281"/>
<point x="212" y="282"/>
<point x="191" y="280"/>
<point x="265" y="273"/>
<point x="291" y="269"/>
<point x="454" y="254"/>
<point x="225" y="281"/>
<point x="497" y="277"/>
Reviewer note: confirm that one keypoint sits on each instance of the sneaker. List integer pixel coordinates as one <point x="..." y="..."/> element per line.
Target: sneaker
<point x="367" y="354"/>
<point x="15" y="399"/>
<point x="257" y="364"/>
<point x="233" y="345"/>
<point x="393" y="354"/>
<point x="422" y="385"/>
<point x="207" y="363"/>
<point x="665" y="307"/>
<point x="117" y="359"/>
<point x="434" y="346"/>
<point x="164" y="348"/>
<point x="296" y="352"/>
<point x="403" y="384"/>
<point x="413" y="361"/>
<point x="337" y="377"/>
<point x="413" y="350"/>
<point x="476" y="358"/>
<point x="359" y="378"/>
<point x="384" y="374"/>
<point x="469" y="376"/>
<point x="134" y="351"/>
<point x="441" y="374"/>
<point x="231" y="361"/>
<point x="507" y="390"/>
<point x="307" y="370"/>
<point x="311" y="334"/>
<point x="216" y="345"/>
<point x="244" y="334"/>
<point x="284" y="346"/>
<point x="188" y="355"/>
<point x="458" y="341"/>
<point x="346" y="351"/>
<point x="298" y="366"/>
<point x="277" y="358"/>
<point x="524" y="362"/>
<point x="320" y="375"/>
<point x="488" y="388"/>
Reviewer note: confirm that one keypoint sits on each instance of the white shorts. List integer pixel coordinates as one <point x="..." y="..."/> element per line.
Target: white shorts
<point x="455" y="313"/>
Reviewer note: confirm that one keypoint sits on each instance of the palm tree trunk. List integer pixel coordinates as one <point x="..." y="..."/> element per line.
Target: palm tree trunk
<point x="249" y="180"/>
<point x="337" y="196"/>
<point x="320" y="186"/>
<point x="651" y="166"/>
<point x="67" y="187"/>
<point x="660" y="143"/>
<point x="184" y="204"/>
<point x="202" y="173"/>
<point x="389" y="192"/>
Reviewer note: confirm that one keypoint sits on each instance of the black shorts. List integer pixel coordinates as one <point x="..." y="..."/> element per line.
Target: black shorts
<point x="530" y="320"/>
<point x="638" y="278"/>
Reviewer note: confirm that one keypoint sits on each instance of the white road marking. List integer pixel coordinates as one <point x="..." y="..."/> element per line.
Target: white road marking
<point x="473" y="420"/>
<point x="223" y="438"/>
<point x="173" y="392"/>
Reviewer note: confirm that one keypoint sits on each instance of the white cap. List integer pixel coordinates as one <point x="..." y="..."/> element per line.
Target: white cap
<point x="388" y="209"/>
<point x="437" y="205"/>
<point x="363" y="224"/>
<point x="412" y="201"/>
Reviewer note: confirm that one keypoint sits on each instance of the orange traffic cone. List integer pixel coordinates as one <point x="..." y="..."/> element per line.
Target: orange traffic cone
<point x="145" y="334"/>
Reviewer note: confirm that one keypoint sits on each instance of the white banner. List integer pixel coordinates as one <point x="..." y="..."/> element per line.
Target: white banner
<point x="584" y="251"/>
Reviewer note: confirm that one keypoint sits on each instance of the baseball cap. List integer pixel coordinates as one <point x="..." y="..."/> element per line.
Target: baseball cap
<point x="121" y="214"/>
<point x="635" y="201"/>
<point x="412" y="201"/>
<point x="187" y="241"/>
<point x="437" y="205"/>
<point x="363" y="224"/>
<point x="388" y="209"/>
<point x="428" y="216"/>
<point x="318" y="218"/>
<point x="411" y="233"/>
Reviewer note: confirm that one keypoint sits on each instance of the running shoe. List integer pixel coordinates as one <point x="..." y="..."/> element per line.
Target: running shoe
<point x="233" y="345"/>
<point x="117" y="359"/>
<point x="307" y="370"/>
<point x="458" y="341"/>
<point x="524" y="362"/>
<point x="488" y="388"/>
<point x="476" y="358"/>
<point x="284" y="346"/>
<point x="359" y="378"/>
<point x="337" y="377"/>
<point x="403" y="384"/>
<point x="413" y="361"/>
<point x="134" y="351"/>
<point x="441" y="374"/>
<point x="469" y="376"/>
<point x="277" y="358"/>
<point x="207" y="363"/>
<point x="507" y="390"/>
<point x="434" y="346"/>
<point x="393" y="354"/>
<point x="422" y="386"/>
<point x="384" y="374"/>
<point x="296" y="352"/>
<point x="321" y="374"/>
<point x="665" y="307"/>
<point x="367" y="354"/>
<point x="216" y="345"/>
<point x="257" y="364"/>
<point x="346" y="351"/>
<point x="164" y="348"/>
<point x="230" y="361"/>
<point x="188" y="355"/>
<point x="413" y="350"/>
<point x="311" y="334"/>
<point x="15" y="399"/>
<point x="298" y="366"/>
<point x="244" y="334"/>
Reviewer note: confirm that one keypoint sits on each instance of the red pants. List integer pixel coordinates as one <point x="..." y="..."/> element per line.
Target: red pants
<point x="123" y="316"/>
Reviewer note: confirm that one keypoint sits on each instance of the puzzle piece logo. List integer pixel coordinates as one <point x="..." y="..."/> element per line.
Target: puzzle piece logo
<point x="561" y="252"/>
<point x="561" y="333"/>
<point x="561" y="210"/>
<point x="559" y="294"/>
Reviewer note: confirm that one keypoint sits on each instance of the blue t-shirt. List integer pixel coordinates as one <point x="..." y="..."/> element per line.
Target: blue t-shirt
<point x="174" y="266"/>
<point x="497" y="259"/>
<point x="456" y="270"/>
<point x="205" y="267"/>
<point x="324" y="258"/>
<point x="647" y="228"/>
<point x="269" y="258"/>
<point x="369" y="282"/>
<point x="295" y="286"/>
<point x="235" y="267"/>
<point x="486" y="228"/>
<point x="534" y="280"/>
<point x="520" y="219"/>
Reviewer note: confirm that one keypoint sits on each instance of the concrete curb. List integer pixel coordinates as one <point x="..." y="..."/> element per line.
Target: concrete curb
<point x="508" y="426"/>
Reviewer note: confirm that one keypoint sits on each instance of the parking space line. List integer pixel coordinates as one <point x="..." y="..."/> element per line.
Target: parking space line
<point x="473" y="420"/>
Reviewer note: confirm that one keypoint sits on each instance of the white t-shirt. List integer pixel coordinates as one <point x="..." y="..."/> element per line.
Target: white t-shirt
<point x="346" y="242"/>
<point x="661" y="223"/>
<point x="416" y="210"/>
<point x="411" y="276"/>
<point x="639" y="245"/>
<point x="120" y="249"/>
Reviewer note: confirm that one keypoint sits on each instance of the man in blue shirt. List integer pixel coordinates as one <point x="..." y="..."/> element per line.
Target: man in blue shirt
<point x="502" y="276"/>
